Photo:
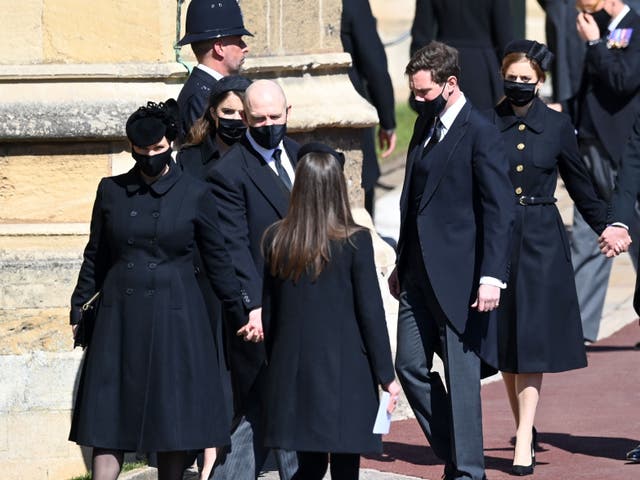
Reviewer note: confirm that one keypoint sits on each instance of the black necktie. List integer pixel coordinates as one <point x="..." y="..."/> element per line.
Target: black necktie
<point x="436" y="132"/>
<point x="282" y="173"/>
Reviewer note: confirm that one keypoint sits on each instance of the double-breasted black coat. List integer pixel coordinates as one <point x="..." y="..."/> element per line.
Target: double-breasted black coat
<point x="150" y="380"/>
<point x="250" y="197"/>
<point x="328" y="350"/>
<point x="539" y="317"/>
<point x="479" y="30"/>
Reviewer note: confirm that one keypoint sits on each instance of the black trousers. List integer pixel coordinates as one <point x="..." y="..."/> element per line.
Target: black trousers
<point x="313" y="466"/>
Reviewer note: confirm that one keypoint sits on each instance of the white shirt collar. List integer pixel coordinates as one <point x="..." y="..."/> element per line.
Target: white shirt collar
<point x="210" y="71"/>
<point x="618" y="18"/>
<point x="451" y="113"/>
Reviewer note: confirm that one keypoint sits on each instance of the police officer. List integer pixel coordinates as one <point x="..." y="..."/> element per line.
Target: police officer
<point x="215" y="31"/>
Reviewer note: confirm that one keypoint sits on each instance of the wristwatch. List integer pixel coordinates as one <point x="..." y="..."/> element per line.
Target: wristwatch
<point x="594" y="42"/>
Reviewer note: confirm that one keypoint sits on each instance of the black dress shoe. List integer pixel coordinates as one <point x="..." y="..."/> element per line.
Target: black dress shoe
<point x="634" y="455"/>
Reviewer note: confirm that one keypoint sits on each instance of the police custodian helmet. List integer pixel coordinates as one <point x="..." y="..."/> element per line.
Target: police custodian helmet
<point x="208" y="19"/>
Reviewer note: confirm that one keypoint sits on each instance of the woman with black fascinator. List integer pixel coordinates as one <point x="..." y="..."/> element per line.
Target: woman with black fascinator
<point x="150" y="380"/>
<point x="539" y="318"/>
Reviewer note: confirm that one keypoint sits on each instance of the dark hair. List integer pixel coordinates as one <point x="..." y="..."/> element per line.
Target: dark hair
<point x="515" y="57"/>
<point x="205" y="125"/>
<point x="202" y="47"/>
<point x="435" y="57"/>
<point x="318" y="212"/>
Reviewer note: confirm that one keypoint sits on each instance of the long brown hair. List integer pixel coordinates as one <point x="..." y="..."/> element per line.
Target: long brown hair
<point x="318" y="212"/>
<point x="206" y="125"/>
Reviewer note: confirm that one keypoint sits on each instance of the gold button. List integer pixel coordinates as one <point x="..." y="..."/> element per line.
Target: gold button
<point x="520" y="146"/>
<point x="519" y="168"/>
<point x="518" y="191"/>
<point x="522" y="127"/>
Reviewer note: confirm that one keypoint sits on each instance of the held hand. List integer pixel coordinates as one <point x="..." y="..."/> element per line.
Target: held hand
<point x="386" y="141"/>
<point x="587" y="27"/>
<point x="394" y="284"/>
<point x="252" y="331"/>
<point x="614" y="240"/>
<point x="488" y="298"/>
<point x="394" y="392"/>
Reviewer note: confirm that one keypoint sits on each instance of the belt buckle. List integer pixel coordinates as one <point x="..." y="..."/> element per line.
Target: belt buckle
<point x="522" y="200"/>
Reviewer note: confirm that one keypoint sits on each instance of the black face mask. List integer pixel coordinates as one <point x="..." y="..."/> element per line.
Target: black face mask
<point x="431" y="108"/>
<point x="230" y="130"/>
<point x="152" y="166"/>
<point x="268" y="136"/>
<point x="602" y="19"/>
<point x="519" y="93"/>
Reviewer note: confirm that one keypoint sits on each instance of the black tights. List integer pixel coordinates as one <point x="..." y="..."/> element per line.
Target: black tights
<point x="313" y="466"/>
<point x="106" y="464"/>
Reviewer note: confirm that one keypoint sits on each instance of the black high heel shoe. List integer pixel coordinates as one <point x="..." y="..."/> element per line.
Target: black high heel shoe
<point x="522" y="470"/>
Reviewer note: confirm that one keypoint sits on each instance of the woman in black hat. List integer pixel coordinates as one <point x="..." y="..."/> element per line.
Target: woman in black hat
<point x="150" y="380"/>
<point x="539" y="317"/>
<point x="220" y="127"/>
<point x="326" y="336"/>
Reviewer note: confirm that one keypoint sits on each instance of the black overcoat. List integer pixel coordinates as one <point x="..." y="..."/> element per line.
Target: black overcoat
<point x="539" y="316"/>
<point x="250" y="197"/>
<point x="328" y="351"/>
<point x="479" y="30"/>
<point x="193" y="99"/>
<point x="150" y="380"/>
<point x="627" y="191"/>
<point x="464" y="221"/>
<point x="369" y="75"/>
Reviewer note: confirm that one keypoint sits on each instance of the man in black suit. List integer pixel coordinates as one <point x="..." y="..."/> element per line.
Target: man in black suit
<point x="603" y="112"/>
<point x="252" y="182"/>
<point x="457" y="207"/>
<point x="214" y="30"/>
<point x="370" y="77"/>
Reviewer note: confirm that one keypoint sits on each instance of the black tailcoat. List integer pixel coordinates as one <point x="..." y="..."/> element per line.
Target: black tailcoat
<point x="328" y="350"/>
<point x="609" y="97"/>
<point x="250" y="197"/>
<point x="464" y="220"/>
<point x="539" y="316"/>
<point x="193" y="99"/>
<point x="627" y="191"/>
<point x="479" y="30"/>
<point x="369" y="75"/>
<point x="150" y="380"/>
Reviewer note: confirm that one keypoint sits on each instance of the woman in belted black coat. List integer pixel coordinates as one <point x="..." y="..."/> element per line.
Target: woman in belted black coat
<point x="539" y="317"/>
<point x="326" y="336"/>
<point x="150" y="379"/>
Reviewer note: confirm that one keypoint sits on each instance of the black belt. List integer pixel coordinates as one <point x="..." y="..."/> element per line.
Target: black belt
<point x="524" y="200"/>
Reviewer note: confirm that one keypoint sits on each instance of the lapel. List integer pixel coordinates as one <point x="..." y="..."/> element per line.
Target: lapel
<point x="420" y="130"/>
<point x="264" y="179"/>
<point x="441" y="155"/>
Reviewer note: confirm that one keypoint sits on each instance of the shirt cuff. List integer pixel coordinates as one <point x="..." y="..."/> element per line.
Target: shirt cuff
<point x="619" y="224"/>
<point x="492" y="281"/>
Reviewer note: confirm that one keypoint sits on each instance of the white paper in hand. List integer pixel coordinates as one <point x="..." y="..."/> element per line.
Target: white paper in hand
<point x="383" y="418"/>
